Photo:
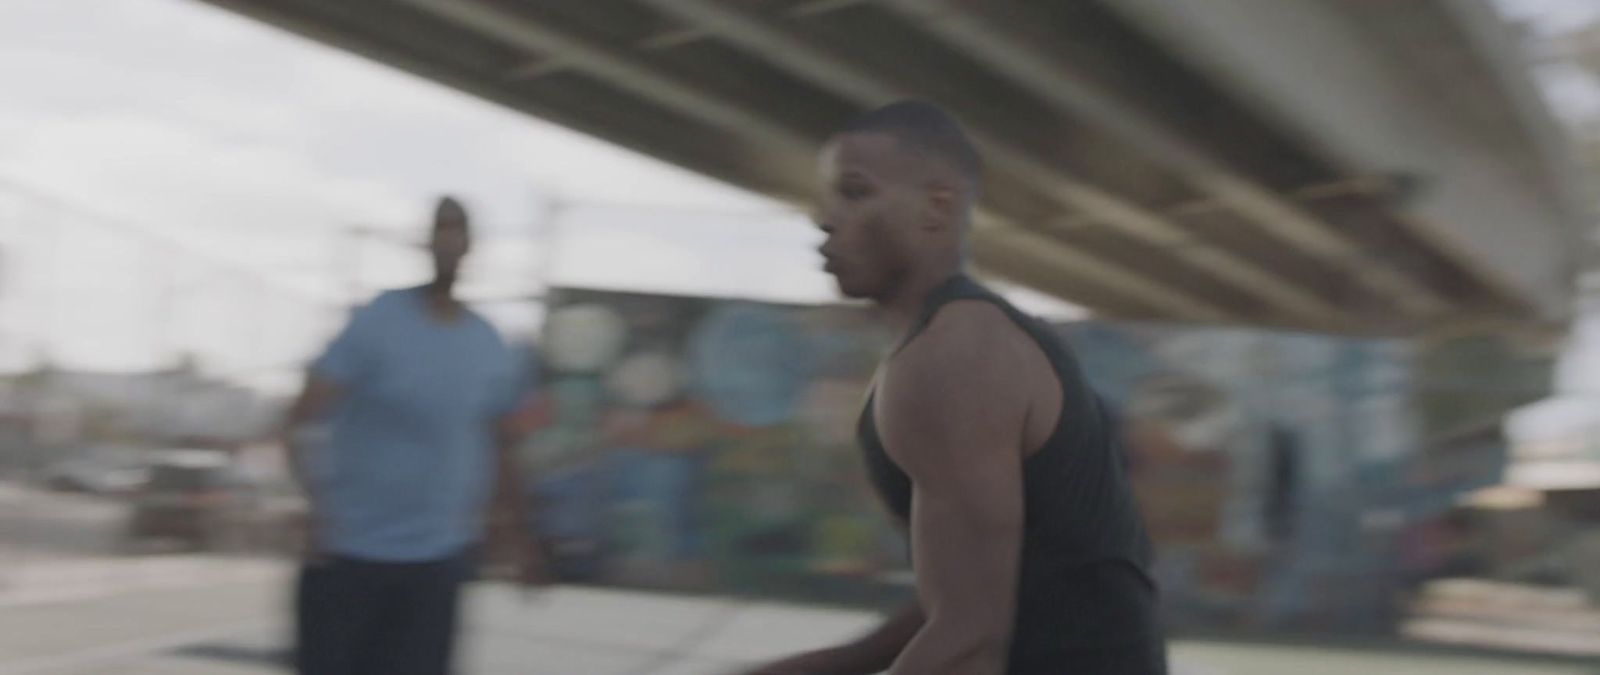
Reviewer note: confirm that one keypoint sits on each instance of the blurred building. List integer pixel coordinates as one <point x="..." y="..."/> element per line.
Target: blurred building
<point x="70" y="409"/>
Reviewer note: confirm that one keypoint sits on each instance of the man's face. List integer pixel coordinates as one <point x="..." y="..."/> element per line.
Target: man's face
<point x="872" y="201"/>
<point x="449" y="244"/>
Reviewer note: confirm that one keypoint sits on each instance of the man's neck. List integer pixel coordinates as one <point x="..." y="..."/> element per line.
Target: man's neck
<point x="904" y="306"/>
<point x="441" y="301"/>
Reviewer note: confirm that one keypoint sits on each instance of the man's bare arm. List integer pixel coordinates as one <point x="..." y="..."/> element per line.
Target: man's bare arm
<point x="870" y="653"/>
<point x="316" y="398"/>
<point x="509" y="509"/>
<point x="953" y="407"/>
<point x="510" y="523"/>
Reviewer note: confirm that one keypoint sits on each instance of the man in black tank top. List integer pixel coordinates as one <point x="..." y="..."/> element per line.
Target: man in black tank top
<point x="980" y="434"/>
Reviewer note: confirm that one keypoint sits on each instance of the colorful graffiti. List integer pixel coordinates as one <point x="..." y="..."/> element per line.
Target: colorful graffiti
<point x="708" y="444"/>
<point x="701" y="444"/>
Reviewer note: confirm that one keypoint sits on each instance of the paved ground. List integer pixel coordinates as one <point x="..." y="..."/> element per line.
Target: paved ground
<point x="233" y="624"/>
<point x="37" y="524"/>
<point x="69" y="607"/>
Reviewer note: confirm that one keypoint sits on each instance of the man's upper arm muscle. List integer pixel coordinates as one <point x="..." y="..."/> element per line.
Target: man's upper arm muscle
<point x="953" y="413"/>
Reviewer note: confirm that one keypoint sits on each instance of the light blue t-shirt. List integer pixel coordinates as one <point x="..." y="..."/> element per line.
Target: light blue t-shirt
<point x="408" y="470"/>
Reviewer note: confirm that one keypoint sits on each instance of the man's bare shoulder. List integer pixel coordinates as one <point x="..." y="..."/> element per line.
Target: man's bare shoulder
<point x="967" y="340"/>
<point x="957" y="381"/>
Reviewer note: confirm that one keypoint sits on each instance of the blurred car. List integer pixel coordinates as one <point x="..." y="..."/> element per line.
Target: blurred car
<point x="85" y="476"/>
<point x="67" y="477"/>
<point x="191" y="496"/>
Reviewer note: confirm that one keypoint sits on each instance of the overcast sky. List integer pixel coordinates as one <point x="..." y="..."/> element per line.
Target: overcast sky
<point x="253" y="149"/>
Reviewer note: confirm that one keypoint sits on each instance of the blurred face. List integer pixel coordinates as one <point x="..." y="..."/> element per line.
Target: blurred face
<point x="449" y="243"/>
<point x="872" y="205"/>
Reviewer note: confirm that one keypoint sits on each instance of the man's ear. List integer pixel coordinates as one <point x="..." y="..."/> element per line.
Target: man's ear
<point x="943" y="206"/>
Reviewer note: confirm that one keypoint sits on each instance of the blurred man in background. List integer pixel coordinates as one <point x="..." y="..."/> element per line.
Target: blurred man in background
<point x="981" y="435"/>
<point x="421" y="391"/>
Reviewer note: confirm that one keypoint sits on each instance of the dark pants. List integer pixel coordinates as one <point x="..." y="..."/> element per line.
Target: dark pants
<point x="359" y="617"/>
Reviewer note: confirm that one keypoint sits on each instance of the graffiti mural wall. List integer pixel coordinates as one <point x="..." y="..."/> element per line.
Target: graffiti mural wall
<point x="705" y="444"/>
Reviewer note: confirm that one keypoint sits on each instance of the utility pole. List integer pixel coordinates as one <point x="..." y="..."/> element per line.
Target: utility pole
<point x="548" y="237"/>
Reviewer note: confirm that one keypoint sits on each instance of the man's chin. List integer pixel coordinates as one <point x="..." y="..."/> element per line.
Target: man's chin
<point x="847" y="289"/>
<point x="853" y="293"/>
<point x="443" y="282"/>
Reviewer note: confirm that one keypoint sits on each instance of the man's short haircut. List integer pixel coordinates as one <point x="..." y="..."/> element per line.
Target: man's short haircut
<point x="926" y="128"/>
<point x="449" y="206"/>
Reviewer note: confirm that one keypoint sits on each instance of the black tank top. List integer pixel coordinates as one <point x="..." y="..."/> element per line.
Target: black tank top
<point x="1085" y="600"/>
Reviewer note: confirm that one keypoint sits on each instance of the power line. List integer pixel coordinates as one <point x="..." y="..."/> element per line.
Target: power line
<point x="154" y="235"/>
